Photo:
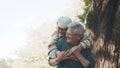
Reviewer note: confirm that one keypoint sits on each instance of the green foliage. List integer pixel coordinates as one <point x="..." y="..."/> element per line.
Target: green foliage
<point x="85" y="8"/>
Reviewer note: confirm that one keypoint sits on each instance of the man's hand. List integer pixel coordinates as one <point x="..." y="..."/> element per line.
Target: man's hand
<point x="78" y="48"/>
<point x="70" y="51"/>
<point x="62" y="56"/>
<point x="73" y="51"/>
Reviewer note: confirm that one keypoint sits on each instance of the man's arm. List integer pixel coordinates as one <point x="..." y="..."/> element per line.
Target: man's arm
<point x="85" y="58"/>
<point x="82" y="60"/>
<point x="85" y="43"/>
<point x="60" y="57"/>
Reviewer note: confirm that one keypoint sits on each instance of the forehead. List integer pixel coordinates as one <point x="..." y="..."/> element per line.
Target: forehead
<point x="64" y="29"/>
<point x="70" y="30"/>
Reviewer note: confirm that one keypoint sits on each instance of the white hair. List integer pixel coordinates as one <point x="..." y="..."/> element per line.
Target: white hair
<point x="63" y="22"/>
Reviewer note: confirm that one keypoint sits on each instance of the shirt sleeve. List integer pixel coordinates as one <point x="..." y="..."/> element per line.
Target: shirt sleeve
<point x="85" y="42"/>
<point x="52" y="49"/>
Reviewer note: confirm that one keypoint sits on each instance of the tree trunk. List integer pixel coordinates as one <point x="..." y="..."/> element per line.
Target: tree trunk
<point x="103" y="22"/>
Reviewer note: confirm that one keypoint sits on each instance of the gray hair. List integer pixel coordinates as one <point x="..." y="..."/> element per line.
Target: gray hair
<point x="78" y="26"/>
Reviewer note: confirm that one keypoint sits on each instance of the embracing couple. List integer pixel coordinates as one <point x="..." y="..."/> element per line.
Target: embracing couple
<point x="70" y="47"/>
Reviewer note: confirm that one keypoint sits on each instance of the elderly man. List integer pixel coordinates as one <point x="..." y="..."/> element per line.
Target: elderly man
<point x="62" y="24"/>
<point x="74" y="35"/>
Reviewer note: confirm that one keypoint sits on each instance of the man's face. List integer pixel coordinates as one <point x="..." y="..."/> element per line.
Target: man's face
<point x="61" y="32"/>
<point x="72" y="37"/>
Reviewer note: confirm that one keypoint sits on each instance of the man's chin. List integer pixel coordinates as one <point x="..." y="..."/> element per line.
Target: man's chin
<point x="68" y="41"/>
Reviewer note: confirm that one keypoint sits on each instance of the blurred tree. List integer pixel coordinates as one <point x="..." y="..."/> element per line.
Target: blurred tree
<point x="34" y="53"/>
<point x="103" y="27"/>
<point x="6" y="63"/>
<point x="85" y="8"/>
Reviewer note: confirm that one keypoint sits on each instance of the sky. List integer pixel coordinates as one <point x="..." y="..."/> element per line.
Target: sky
<point x="19" y="16"/>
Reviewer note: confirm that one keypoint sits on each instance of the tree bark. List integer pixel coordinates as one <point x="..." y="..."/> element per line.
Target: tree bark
<point x="103" y="22"/>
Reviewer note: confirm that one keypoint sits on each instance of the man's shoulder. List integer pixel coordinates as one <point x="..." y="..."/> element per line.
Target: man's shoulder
<point x="86" y="52"/>
<point x="85" y="37"/>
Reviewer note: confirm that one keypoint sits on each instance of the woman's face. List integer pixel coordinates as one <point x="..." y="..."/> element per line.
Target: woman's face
<point x="61" y="32"/>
